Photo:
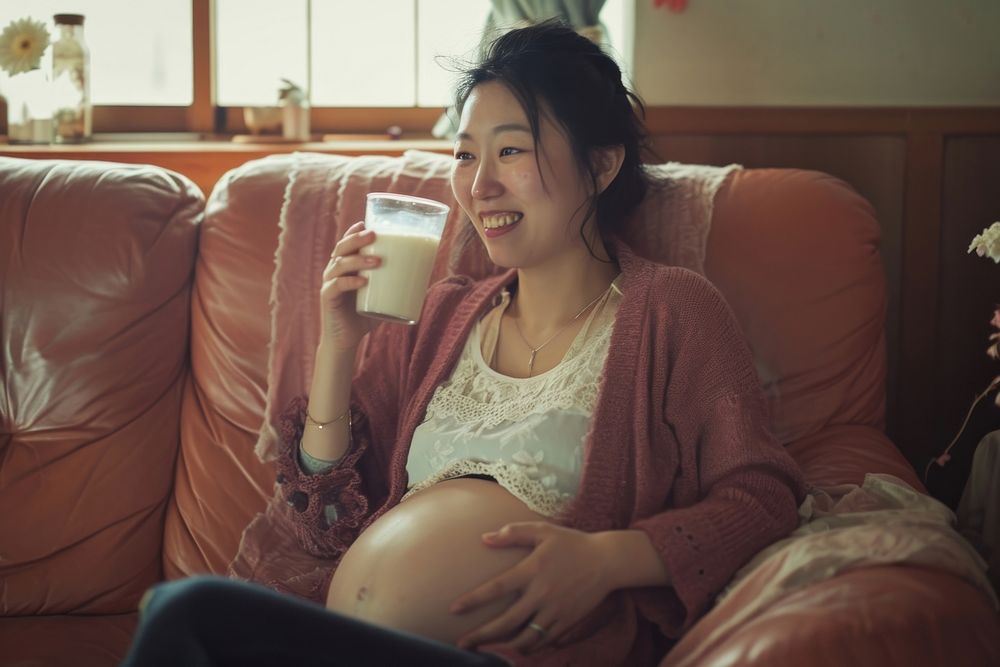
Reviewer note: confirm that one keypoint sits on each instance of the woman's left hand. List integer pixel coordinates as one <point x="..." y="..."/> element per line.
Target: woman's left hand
<point x="563" y="578"/>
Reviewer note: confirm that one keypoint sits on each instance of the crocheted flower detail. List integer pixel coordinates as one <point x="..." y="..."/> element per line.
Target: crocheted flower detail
<point x="321" y="531"/>
<point x="521" y="477"/>
<point x="443" y="452"/>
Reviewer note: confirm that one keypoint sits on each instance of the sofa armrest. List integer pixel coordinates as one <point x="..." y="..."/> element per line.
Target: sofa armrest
<point x="96" y="260"/>
<point x="844" y="454"/>
<point x="886" y="615"/>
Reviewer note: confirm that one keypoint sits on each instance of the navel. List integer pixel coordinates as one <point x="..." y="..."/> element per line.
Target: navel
<point x="360" y="599"/>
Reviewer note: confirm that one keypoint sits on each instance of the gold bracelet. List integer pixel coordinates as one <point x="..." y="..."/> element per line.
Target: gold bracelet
<point x="320" y="425"/>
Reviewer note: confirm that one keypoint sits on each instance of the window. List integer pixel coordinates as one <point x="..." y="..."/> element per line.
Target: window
<point x="152" y="65"/>
<point x="140" y="50"/>
<point x="375" y="53"/>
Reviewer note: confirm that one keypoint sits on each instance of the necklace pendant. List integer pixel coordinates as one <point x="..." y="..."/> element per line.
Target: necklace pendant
<point x="531" y="362"/>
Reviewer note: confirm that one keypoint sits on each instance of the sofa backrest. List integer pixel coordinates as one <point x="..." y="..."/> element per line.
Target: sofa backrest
<point x="794" y="252"/>
<point x="220" y="484"/>
<point x="95" y="272"/>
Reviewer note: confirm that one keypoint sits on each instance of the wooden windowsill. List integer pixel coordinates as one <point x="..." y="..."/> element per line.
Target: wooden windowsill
<point x="145" y="143"/>
<point x="205" y="160"/>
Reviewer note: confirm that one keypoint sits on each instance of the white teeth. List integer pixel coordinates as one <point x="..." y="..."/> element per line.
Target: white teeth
<point x="497" y="221"/>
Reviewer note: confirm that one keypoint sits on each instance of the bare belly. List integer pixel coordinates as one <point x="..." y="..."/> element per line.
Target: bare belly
<point x="408" y="567"/>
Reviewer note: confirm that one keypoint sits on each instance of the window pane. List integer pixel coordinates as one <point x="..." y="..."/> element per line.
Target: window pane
<point x="372" y="53"/>
<point x="448" y="29"/>
<point x="140" y="50"/>
<point x="363" y="53"/>
<point x="258" y="43"/>
<point x="619" y="43"/>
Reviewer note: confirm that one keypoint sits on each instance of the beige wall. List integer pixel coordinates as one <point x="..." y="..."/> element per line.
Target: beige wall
<point x="819" y="52"/>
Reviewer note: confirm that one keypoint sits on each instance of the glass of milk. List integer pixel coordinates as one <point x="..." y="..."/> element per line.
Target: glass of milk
<point x="407" y="232"/>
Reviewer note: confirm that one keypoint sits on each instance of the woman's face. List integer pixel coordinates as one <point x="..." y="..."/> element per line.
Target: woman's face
<point x="526" y="207"/>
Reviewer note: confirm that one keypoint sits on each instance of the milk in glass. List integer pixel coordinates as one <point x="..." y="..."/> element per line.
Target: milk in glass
<point x="407" y="233"/>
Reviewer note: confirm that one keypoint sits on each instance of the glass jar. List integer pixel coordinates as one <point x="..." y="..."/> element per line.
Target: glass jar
<point x="29" y="107"/>
<point x="72" y="115"/>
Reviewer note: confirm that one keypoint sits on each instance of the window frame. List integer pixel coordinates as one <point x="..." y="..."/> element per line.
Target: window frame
<point x="204" y="117"/>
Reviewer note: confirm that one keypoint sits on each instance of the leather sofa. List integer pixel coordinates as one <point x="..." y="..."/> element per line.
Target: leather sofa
<point x="135" y="324"/>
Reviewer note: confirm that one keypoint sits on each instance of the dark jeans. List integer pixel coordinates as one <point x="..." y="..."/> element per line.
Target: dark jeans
<point x="215" y="621"/>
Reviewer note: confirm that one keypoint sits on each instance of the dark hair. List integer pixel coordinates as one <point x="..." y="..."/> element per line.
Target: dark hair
<point x="582" y="86"/>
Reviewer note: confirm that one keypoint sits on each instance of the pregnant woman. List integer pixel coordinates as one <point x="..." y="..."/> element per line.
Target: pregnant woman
<point x="561" y="464"/>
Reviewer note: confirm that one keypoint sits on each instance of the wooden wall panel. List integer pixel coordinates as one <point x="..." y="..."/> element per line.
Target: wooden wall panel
<point x="920" y="291"/>
<point x="874" y="165"/>
<point x="205" y="163"/>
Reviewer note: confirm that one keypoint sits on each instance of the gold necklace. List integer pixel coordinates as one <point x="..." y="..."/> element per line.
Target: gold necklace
<point x="534" y="350"/>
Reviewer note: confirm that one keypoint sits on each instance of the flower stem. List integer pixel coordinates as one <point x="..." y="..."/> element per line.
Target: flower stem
<point x="943" y="457"/>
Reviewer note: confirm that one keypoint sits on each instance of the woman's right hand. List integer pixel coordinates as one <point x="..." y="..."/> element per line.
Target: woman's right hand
<point x="342" y="327"/>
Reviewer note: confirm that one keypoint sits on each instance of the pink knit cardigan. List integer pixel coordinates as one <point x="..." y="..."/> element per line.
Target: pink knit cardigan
<point x="679" y="447"/>
<point x="326" y="195"/>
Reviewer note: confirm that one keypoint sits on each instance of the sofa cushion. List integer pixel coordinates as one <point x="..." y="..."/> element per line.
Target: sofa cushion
<point x="96" y="265"/>
<point x="220" y="483"/>
<point x="796" y="254"/>
<point x="51" y="641"/>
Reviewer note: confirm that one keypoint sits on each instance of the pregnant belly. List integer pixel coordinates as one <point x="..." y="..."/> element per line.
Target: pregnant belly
<point x="407" y="568"/>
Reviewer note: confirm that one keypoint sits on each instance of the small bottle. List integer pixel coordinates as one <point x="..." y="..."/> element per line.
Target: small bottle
<point x="72" y="117"/>
<point x="295" y="112"/>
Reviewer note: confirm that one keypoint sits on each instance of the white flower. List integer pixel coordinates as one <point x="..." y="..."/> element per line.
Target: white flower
<point x="527" y="458"/>
<point x="987" y="244"/>
<point x="22" y="44"/>
<point x="529" y="462"/>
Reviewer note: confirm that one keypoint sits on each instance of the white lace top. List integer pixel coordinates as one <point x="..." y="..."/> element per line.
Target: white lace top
<point x="526" y="433"/>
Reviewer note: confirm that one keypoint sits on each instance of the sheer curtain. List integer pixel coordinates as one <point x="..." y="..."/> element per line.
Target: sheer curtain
<point x="582" y="15"/>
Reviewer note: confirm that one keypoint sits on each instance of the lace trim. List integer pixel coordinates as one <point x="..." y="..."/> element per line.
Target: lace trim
<point x="482" y="399"/>
<point x="524" y="480"/>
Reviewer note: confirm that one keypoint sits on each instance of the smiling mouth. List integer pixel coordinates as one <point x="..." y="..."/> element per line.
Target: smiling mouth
<point x="502" y="220"/>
